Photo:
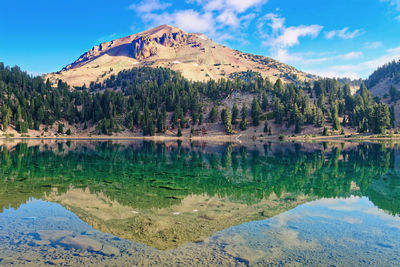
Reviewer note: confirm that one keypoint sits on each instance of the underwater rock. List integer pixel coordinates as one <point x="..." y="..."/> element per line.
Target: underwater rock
<point x="81" y="243"/>
<point x="110" y="251"/>
<point x="53" y="235"/>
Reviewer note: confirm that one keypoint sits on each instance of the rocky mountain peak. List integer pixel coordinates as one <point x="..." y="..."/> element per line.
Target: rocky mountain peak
<point x="194" y="55"/>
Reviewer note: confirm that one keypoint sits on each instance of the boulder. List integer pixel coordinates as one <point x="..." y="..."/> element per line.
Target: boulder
<point x="81" y="243"/>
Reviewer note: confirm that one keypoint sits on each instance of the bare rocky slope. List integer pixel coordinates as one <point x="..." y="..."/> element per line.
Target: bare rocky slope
<point x="196" y="56"/>
<point x="384" y="80"/>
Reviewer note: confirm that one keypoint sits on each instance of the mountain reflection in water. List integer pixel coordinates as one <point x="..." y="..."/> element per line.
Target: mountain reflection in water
<point x="167" y="194"/>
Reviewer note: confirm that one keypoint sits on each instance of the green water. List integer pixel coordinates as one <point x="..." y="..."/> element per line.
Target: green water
<point x="180" y="203"/>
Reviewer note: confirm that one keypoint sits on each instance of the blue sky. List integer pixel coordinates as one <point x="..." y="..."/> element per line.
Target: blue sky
<point x="331" y="38"/>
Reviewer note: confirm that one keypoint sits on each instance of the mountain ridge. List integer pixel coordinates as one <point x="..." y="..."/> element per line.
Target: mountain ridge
<point x="195" y="55"/>
<point x="384" y="83"/>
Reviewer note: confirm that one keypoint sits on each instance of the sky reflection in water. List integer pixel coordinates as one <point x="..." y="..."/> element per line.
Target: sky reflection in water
<point x="344" y="228"/>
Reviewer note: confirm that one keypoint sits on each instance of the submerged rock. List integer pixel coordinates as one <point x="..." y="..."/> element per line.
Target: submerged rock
<point x="110" y="251"/>
<point x="53" y="235"/>
<point x="81" y="243"/>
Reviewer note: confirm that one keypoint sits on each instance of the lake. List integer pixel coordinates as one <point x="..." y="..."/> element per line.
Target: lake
<point x="129" y="203"/>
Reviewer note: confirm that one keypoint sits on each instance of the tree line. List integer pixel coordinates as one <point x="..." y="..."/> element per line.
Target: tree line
<point x="153" y="100"/>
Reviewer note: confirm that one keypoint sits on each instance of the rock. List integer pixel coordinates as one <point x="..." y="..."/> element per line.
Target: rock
<point x="7" y="260"/>
<point x="81" y="243"/>
<point x="53" y="235"/>
<point x="41" y="242"/>
<point x="110" y="251"/>
<point x="144" y="47"/>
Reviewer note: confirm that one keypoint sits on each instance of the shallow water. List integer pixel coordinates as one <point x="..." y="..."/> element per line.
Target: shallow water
<point x="119" y="204"/>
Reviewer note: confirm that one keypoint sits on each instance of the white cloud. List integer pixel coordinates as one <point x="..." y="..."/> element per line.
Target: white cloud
<point x="188" y="20"/>
<point x="238" y="6"/>
<point x="228" y="12"/>
<point x="148" y="6"/>
<point x="312" y="59"/>
<point x="343" y="34"/>
<point x="193" y="21"/>
<point x="280" y="37"/>
<point x="362" y="69"/>
<point x="352" y="55"/>
<point x="395" y="3"/>
<point x="229" y="18"/>
<point x="334" y="74"/>
<point x="219" y="19"/>
<point x="394" y="50"/>
<point x="373" y="45"/>
<point x="290" y="36"/>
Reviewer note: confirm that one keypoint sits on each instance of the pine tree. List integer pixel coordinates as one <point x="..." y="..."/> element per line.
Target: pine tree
<point x="266" y="126"/>
<point x="160" y="126"/>
<point x="278" y="87"/>
<point x="264" y="102"/>
<point x="325" y="132"/>
<point x="319" y="117"/>
<point x="6" y="115"/>
<point x="151" y="128"/>
<point x="235" y="114"/>
<point x="255" y="112"/>
<point x="224" y="114"/>
<point x="243" y="114"/>
<point x="243" y="125"/>
<point x="335" y="116"/>
<point x="279" y="110"/>
<point x="213" y="114"/>
<point x="60" y="128"/>
<point x="380" y="118"/>
<point x="228" y="123"/>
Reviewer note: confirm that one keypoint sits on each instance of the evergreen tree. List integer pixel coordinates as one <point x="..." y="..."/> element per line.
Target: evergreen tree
<point x="392" y="117"/>
<point x="6" y="115"/>
<point x="279" y="110"/>
<point x="394" y="94"/>
<point x="319" y="117"/>
<point x="278" y="87"/>
<point x="224" y="115"/>
<point x="228" y="122"/>
<point x="243" y="114"/>
<point x="255" y="112"/>
<point x="60" y="128"/>
<point x="380" y="118"/>
<point x="160" y="126"/>
<point x="235" y="114"/>
<point x="264" y="102"/>
<point x="213" y="114"/>
<point x="325" y="132"/>
<point x="243" y="125"/>
<point x="266" y="126"/>
<point x="335" y="116"/>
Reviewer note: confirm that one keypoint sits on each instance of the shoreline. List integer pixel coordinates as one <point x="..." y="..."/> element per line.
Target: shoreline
<point x="215" y="138"/>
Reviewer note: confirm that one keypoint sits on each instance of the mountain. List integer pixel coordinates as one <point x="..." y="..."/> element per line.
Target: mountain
<point x="194" y="55"/>
<point x="384" y="78"/>
<point x="385" y="83"/>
